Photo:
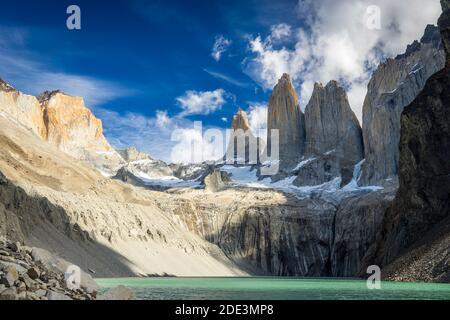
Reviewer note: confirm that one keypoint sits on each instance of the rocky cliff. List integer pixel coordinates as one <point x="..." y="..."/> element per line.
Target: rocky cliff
<point x="275" y="233"/>
<point x="51" y="201"/>
<point x="334" y="143"/>
<point x="393" y="86"/>
<point x="331" y="125"/>
<point x="285" y="115"/>
<point x="64" y="122"/>
<point x="423" y="198"/>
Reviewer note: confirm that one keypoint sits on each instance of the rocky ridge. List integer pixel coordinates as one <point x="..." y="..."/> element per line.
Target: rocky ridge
<point x="422" y="203"/>
<point x="394" y="85"/>
<point x="64" y="122"/>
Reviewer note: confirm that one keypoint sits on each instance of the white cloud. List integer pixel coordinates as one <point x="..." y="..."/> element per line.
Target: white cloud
<point x="257" y="117"/>
<point x="338" y="45"/>
<point x="221" y="45"/>
<point x="204" y="103"/>
<point x="226" y="78"/>
<point x="162" y="119"/>
<point x="194" y="146"/>
<point x="150" y="135"/>
<point x="224" y="119"/>
<point x="280" y="31"/>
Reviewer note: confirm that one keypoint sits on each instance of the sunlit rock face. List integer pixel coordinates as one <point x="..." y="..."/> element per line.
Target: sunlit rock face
<point x="63" y="121"/>
<point x="285" y="115"/>
<point x="394" y="85"/>
<point x="23" y="109"/>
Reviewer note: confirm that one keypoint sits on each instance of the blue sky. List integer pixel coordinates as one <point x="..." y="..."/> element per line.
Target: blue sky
<point x="147" y="67"/>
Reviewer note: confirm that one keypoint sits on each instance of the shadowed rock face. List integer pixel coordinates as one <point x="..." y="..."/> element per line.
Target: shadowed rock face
<point x="332" y="125"/>
<point x="284" y="114"/>
<point x="280" y="234"/>
<point x="393" y="86"/>
<point x="444" y="26"/>
<point x="423" y="198"/>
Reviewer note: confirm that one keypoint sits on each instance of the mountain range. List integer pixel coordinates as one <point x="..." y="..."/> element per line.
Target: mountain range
<point x="345" y="196"/>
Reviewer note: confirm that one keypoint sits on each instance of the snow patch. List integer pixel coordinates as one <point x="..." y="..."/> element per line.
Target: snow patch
<point x="304" y="163"/>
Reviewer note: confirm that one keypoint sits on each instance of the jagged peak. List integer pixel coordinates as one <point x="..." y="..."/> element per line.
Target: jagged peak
<point x="318" y="85"/>
<point x="285" y="87"/>
<point x="430" y="36"/>
<point x="47" y="95"/>
<point x="4" y="86"/>
<point x="240" y="120"/>
<point x="285" y="77"/>
<point x="332" y="84"/>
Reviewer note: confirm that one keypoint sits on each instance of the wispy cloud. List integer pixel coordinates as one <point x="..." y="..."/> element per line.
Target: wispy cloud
<point x="28" y="73"/>
<point x="221" y="45"/>
<point x="228" y="79"/>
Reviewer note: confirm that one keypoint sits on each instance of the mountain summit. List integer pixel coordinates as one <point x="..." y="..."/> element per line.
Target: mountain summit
<point x="285" y="115"/>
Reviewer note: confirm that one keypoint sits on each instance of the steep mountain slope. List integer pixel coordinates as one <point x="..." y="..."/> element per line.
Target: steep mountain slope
<point x="332" y="125"/>
<point x="393" y="86"/>
<point x="423" y="199"/>
<point x="50" y="200"/>
<point x="285" y="115"/>
<point x="334" y="142"/>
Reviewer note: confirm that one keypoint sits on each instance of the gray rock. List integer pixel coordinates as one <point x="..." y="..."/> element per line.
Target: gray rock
<point x="323" y="168"/>
<point x="118" y="293"/>
<point x="11" y="275"/>
<point x="285" y="115"/>
<point x="28" y="281"/>
<point x="332" y="125"/>
<point x="40" y="293"/>
<point x="9" y="294"/>
<point x="59" y="265"/>
<point x="56" y="296"/>
<point x="393" y="86"/>
<point x="216" y="181"/>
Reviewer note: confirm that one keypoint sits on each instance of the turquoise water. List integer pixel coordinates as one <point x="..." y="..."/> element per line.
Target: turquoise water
<point x="273" y="288"/>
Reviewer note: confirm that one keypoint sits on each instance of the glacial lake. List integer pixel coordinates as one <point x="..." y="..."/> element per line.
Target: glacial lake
<point x="274" y="288"/>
